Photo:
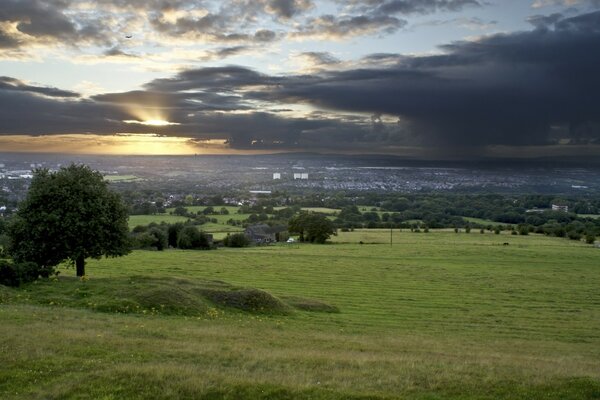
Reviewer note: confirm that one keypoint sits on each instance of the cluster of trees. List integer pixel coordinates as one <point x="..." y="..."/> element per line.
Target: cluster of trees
<point x="311" y="227"/>
<point x="163" y="236"/>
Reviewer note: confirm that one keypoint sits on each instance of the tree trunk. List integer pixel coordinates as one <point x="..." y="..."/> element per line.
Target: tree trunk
<point x="80" y="265"/>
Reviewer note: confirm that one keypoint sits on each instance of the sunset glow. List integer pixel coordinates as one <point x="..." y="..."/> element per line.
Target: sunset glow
<point x="151" y="122"/>
<point x="120" y="144"/>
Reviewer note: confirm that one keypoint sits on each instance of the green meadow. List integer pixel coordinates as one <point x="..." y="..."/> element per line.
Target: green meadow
<point x="436" y="315"/>
<point x="135" y="220"/>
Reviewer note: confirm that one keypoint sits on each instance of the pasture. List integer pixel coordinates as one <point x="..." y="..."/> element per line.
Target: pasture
<point x="436" y="315"/>
<point x="135" y="220"/>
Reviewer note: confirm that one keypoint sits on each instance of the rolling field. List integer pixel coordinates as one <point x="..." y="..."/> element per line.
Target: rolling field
<point x="434" y="316"/>
<point x="135" y="220"/>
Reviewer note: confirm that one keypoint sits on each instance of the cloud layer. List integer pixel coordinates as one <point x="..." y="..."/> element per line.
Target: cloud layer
<point x="534" y="87"/>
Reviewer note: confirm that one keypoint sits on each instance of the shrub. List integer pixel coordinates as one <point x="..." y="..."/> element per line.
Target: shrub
<point x="19" y="273"/>
<point x="589" y="238"/>
<point x="236" y="240"/>
<point x="573" y="235"/>
<point x="191" y="238"/>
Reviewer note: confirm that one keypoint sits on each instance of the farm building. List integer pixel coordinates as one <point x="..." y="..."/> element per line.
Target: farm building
<point x="560" y="207"/>
<point x="263" y="233"/>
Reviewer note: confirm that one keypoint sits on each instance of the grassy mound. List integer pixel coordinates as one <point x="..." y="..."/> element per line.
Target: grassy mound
<point x="165" y="296"/>
<point x="251" y="300"/>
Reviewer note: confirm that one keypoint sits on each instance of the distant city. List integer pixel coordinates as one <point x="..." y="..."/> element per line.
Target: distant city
<point x="304" y="172"/>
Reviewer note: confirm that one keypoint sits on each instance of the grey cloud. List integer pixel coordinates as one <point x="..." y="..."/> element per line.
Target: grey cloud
<point x="118" y="52"/>
<point x="509" y="89"/>
<point x="332" y="27"/>
<point x="264" y="35"/>
<point x="504" y="89"/>
<point x="7" y="41"/>
<point x="12" y="84"/>
<point x="216" y="78"/>
<point x="423" y="6"/>
<point x="49" y="20"/>
<point x="320" y="57"/>
<point x="288" y="8"/>
<point x="407" y="7"/>
<point x="544" y="21"/>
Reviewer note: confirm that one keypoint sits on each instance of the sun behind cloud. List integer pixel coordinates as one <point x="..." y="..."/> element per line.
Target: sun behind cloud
<point x="151" y="122"/>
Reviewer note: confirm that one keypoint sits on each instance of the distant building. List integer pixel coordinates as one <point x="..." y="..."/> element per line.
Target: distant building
<point x="303" y="175"/>
<point x="260" y="191"/>
<point x="560" y="207"/>
<point x="263" y="233"/>
<point x="536" y="210"/>
<point x="276" y="175"/>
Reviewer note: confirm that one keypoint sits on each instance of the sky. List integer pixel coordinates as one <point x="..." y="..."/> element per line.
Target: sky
<point x="448" y="79"/>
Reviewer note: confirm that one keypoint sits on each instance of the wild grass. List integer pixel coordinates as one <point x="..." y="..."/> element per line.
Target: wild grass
<point x="434" y="316"/>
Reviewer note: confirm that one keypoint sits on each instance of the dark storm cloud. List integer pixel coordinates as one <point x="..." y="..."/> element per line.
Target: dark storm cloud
<point x="216" y="78"/>
<point x="14" y="85"/>
<point x="24" y="112"/>
<point x="512" y="89"/>
<point x="503" y="89"/>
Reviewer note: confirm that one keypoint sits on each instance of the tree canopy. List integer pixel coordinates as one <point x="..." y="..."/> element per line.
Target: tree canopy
<point x="71" y="215"/>
<point x="314" y="228"/>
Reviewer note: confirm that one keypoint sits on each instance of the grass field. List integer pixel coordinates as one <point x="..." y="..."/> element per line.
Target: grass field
<point x="122" y="178"/>
<point x="595" y="216"/>
<point x="434" y="316"/>
<point x="482" y="221"/>
<point x="135" y="220"/>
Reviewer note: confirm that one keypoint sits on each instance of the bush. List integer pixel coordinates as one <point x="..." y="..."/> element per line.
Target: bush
<point x="19" y="273"/>
<point x="573" y="235"/>
<point x="191" y="238"/>
<point x="236" y="240"/>
<point x="589" y="238"/>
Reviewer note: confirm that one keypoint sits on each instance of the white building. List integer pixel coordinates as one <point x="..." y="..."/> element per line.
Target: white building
<point x="558" y="207"/>
<point x="301" y="175"/>
<point x="276" y="175"/>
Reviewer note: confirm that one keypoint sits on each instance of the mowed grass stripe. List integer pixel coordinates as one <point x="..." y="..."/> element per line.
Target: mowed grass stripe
<point x="442" y="279"/>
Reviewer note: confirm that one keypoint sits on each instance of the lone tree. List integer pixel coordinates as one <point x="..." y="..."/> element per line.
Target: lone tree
<point x="314" y="228"/>
<point x="69" y="215"/>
